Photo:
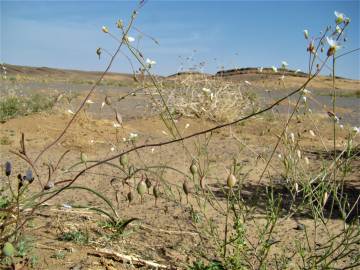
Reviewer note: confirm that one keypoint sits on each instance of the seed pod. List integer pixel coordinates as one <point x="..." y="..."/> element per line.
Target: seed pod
<point x="130" y="197"/>
<point x="231" y="180"/>
<point x="119" y="118"/>
<point x="186" y="188"/>
<point x="193" y="169"/>
<point x="123" y="160"/>
<point x="202" y="182"/>
<point x="148" y="184"/>
<point x="8" y="168"/>
<point x="131" y="170"/>
<point x="141" y="188"/>
<point x="156" y="192"/>
<point x="83" y="158"/>
<point x="8" y="249"/>
<point x="187" y="191"/>
<point x="107" y="101"/>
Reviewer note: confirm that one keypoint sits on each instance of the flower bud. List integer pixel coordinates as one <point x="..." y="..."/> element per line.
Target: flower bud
<point x="107" y="101"/>
<point x="83" y="157"/>
<point x="124" y="160"/>
<point x="193" y="169"/>
<point x="141" y="188"/>
<point x="231" y="180"/>
<point x="119" y="24"/>
<point x="98" y="52"/>
<point x="306" y="34"/>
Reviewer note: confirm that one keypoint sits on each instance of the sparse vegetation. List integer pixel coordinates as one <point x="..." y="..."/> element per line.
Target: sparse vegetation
<point x="247" y="187"/>
<point x="14" y="106"/>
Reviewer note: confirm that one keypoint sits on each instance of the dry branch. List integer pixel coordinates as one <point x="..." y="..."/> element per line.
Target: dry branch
<point x="135" y="261"/>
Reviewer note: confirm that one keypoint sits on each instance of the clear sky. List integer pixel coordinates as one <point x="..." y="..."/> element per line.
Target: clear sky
<point x="65" y="34"/>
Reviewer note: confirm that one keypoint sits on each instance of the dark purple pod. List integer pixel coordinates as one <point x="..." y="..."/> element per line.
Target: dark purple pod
<point x="8" y="168"/>
<point x="49" y="185"/>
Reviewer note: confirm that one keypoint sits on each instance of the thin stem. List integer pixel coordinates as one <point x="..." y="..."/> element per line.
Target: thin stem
<point x="226" y="222"/>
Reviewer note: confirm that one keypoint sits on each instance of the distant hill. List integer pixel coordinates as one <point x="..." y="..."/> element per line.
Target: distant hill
<point x="266" y="78"/>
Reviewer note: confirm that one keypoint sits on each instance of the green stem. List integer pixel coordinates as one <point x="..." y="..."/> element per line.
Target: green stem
<point x="226" y="222"/>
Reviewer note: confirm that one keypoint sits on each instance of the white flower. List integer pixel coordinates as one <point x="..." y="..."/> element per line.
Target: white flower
<point x="211" y="96"/>
<point x="298" y="152"/>
<point x="297" y="71"/>
<point x="297" y="187"/>
<point x="260" y="69"/>
<point x="309" y="110"/>
<point x="306" y="160"/>
<point x="326" y="196"/>
<point x="304" y="99"/>
<point x="248" y="83"/>
<point x="274" y="68"/>
<point x="112" y="149"/>
<point x="89" y="101"/>
<point x="152" y="150"/>
<point x="292" y="137"/>
<point x="279" y="156"/>
<point x="356" y="130"/>
<point x="284" y="64"/>
<point x="105" y="29"/>
<point x="312" y="133"/>
<point x="133" y="136"/>
<point x="150" y="62"/>
<point x="102" y="105"/>
<point x="187" y="125"/>
<point x="124" y="139"/>
<point x="130" y="39"/>
<point x="341" y="126"/>
<point x="70" y="111"/>
<point x="305" y="91"/>
<point x="206" y="90"/>
<point x="66" y="206"/>
<point x="339" y="17"/>
<point x="306" y="34"/>
<point x="164" y="132"/>
<point x="116" y="125"/>
<point x="338" y="29"/>
<point x="92" y="141"/>
<point x="333" y="46"/>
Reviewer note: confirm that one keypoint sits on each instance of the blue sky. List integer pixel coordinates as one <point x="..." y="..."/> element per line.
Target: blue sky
<point x="65" y="34"/>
